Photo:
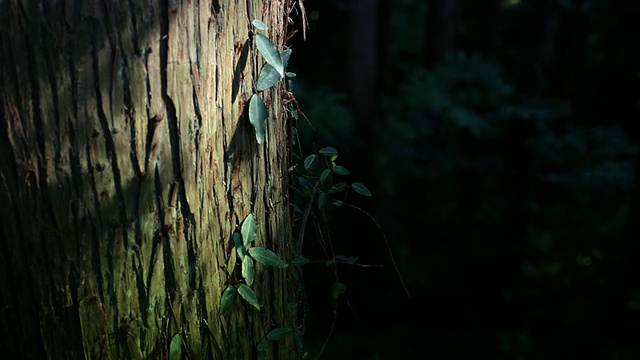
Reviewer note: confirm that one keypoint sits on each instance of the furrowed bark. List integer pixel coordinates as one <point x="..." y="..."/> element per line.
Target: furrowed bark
<point x="126" y="163"/>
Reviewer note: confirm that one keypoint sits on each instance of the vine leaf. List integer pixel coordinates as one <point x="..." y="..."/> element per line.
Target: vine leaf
<point x="292" y="306"/>
<point x="248" y="294"/>
<point x="269" y="76"/>
<point x="361" y="189"/>
<point x="337" y="288"/>
<point x="176" y="347"/>
<point x="284" y="56"/>
<point x="248" y="272"/>
<point x="260" y="25"/>
<point x="325" y="174"/>
<point x="298" y="338"/>
<point x="258" y="113"/>
<point x="263" y="349"/>
<point x="322" y="200"/>
<point x="278" y="334"/>
<point x="270" y="53"/>
<point x="337" y="188"/>
<point x="299" y="261"/>
<point x="248" y="229"/>
<point x="328" y="151"/>
<point x="227" y="298"/>
<point x="267" y="257"/>
<point x="310" y="162"/>
<point x="341" y="170"/>
<point x="237" y="242"/>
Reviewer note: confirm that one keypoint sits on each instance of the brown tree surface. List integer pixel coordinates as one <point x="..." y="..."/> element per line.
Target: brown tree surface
<point x="126" y="163"/>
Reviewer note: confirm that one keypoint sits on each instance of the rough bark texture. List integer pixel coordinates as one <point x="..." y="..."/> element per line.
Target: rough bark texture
<point x="125" y="165"/>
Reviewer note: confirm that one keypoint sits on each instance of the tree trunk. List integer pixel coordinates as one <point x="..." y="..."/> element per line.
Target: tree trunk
<point x="126" y="163"/>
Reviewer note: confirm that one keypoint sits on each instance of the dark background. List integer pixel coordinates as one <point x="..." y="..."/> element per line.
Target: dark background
<point x="500" y="142"/>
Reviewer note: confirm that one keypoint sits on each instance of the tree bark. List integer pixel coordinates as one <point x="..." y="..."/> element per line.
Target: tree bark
<point x="126" y="163"/>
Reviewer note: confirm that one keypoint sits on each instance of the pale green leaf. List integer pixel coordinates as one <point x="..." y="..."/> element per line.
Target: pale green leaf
<point x="278" y="334"/>
<point x="325" y="174"/>
<point x="328" y="151"/>
<point x="310" y="162"/>
<point x="284" y="56"/>
<point x="266" y="257"/>
<point x="248" y="294"/>
<point x="227" y="299"/>
<point x="337" y="288"/>
<point x="258" y="114"/>
<point x="361" y="189"/>
<point x="338" y="203"/>
<point x="299" y="261"/>
<point x="260" y="25"/>
<point x="291" y="75"/>
<point x="337" y="188"/>
<point x="304" y="182"/>
<point x="270" y="53"/>
<point x="237" y="242"/>
<point x="248" y="229"/>
<point x="322" y="200"/>
<point x="293" y="306"/>
<point x="263" y="350"/>
<point x="248" y="273"/>
<point x="175" y="348"/>
<point x="298" y="338"/>
<point x="341" y="170"/>
<point x="268" y="77"/>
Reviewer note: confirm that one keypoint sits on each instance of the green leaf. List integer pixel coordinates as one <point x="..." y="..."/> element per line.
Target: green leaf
<point x="260" y="25"/>
<point x="298" y="339"/>
<point x="349" y="259"/>
<point x="291" y="75"/>
<point x="293" y="306"/>
<point x="322" y="200"/>
<point x="328" y="151"/>
<point x="304" y="182"/>
<point x="237" y="242"/>
<point x="294" y="113"/>
<point x="248" y="229"/>
<point x="325" y="174"/>
<point x="248" y="272"/>
<point x="258" y="113"/>
<point x="263" y="350"/>
<point x="338" y="203"/>
<point x="227" y="299"/>
<point x="337" y="188"/>
<point x="270" y="53"/>
<point x="341" y="170"/>
<point x="248" y="294"/>
<point x="361" y="189"/>
<point x="284" y="56"/>
<point x="266" y="257"/>
<point x="278" y="334"/>
<point x="310" y="162"/>
<point x="337" y="288"/>
<point x="299" y="261"/>
<point x="176" y="347"/>
<point x="268" y="77"/>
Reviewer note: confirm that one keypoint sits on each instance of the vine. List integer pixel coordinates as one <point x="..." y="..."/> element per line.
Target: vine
<point x="315" y="183"/>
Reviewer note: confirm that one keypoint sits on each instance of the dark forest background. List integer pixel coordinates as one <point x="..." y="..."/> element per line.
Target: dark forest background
<point x="500" y="141"/>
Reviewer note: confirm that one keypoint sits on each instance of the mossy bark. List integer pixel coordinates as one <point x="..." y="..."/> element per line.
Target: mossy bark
<point x="126" y="163"/>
